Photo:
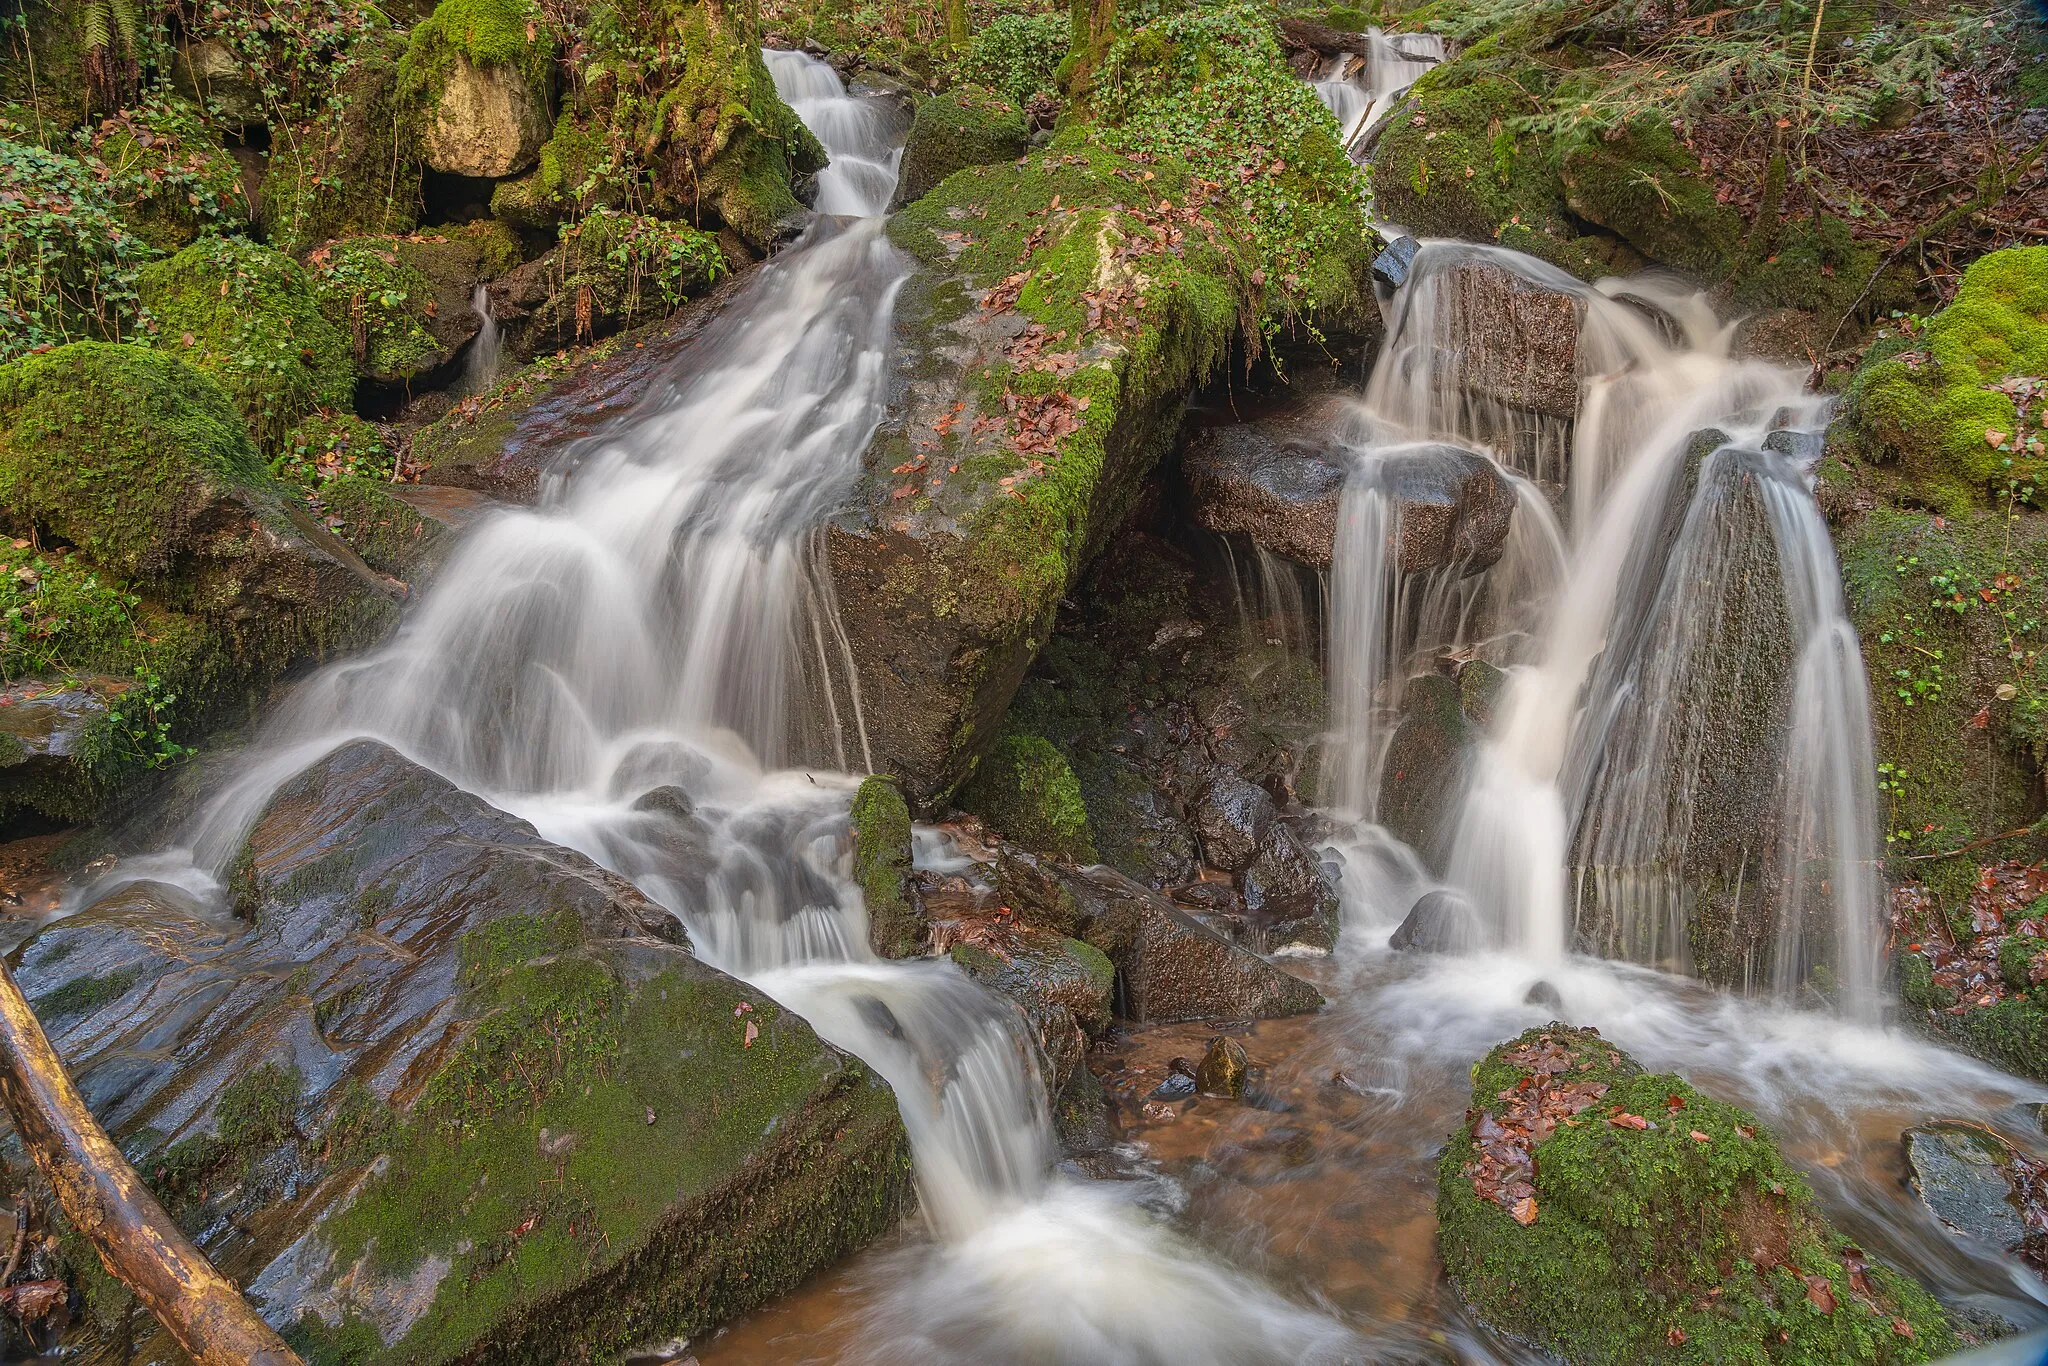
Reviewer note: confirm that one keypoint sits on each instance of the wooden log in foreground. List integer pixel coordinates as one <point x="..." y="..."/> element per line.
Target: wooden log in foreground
<point x="106" y="1201"/>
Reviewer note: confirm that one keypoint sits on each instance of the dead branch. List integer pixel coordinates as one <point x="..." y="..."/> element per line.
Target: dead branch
<point x="106" y="1202"/>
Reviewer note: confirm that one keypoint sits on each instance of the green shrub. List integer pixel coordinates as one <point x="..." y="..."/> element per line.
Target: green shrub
<point x="378" y="302"/>
<point x="67" y="265"/>
<point x="168" y="174"/>
<point x="330" y="446"/>
<point x="1018" y="54"/>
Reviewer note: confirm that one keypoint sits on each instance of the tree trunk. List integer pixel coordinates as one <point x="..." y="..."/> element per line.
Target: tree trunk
<point x="106" y="1201"/>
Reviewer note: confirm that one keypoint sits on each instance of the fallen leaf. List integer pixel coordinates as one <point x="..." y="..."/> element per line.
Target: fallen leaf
<point x="1820" y="1294"/>
<point x="1676" y="1336"/>
<point x="1524" y="1211"/>
<point x="753" y="1033"/>
<point x="1698" y="1137"/>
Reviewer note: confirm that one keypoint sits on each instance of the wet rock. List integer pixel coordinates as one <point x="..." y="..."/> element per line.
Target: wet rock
<point x="1037" y="890"/>
<point x="1961" y="1172"/>
<point x="1546" y="997"/>
<point x="1527" y="348"/>
<point x="1423" y="773"/>
<point x="1440" y="922"/>
<point x="1698" y="674"/>
<point x="1026" y="791"/>
<point x="1177" y="1086"/>
<point x="1278" y="482"/>
<point x="1082" y="1115"/>
<point x="1063" y="986"/>
<point x="1288" y="900"/>
<point x="1578" y="1182"/>
<point x="44" y="723"/>
<point x="1177" y="969"/>
<point x="1233" y="819"/>
<point x="531" y="426"/>
<point x="1137" y="827"/>
<point x="1223" y="1069"/>
<point x="881" y="865"/>
<point x="1390" y="267"/>
<point x="421" y="1002"/>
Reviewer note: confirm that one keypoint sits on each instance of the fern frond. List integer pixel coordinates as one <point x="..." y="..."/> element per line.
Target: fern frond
<point x="93" y="33"/>
<point x="125" y="24"/>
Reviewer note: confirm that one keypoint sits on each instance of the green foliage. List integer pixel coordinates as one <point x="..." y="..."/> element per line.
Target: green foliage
<point x="1027" y="792"/>
<point x="58" y="616"/>
<point x="67" y="264"/>
<point x="248" y="317"/>
<point x="1212" y="88"/>
<point x="1965" y="411"/>
<point x="346" y="165"/>
<point x="1691" y="1240"/>
<point x="642" y="259"/>
<point x="487" y="33"/>
<point x="298" y="57"/>
<point x="1018" y="54"/>
<point x="168" y="175"/>
<point x="330" y="446"/>
<point x="378" y="301"/>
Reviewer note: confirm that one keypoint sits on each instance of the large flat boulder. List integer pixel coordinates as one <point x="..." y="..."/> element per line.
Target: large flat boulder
<point x="437" y="1090"/>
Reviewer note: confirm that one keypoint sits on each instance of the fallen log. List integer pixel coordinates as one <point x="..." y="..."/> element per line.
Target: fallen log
<point x="106" y="1202"/>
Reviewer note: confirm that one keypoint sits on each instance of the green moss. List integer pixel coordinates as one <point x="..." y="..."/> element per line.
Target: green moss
<point x="104" y="445"/>
<point x="1941" y="606"/>
<point x="249" y="318"/>
<point x="390" y="536"/>
<point x="573" y="177"/>
<point x="259" y="1110"/>
<point x="966" y="126"/>
<point x="2012" y="1033"/>
<point x="1027" y="792"/>
<point x="1642" y="184"/>
<point x="550" y="1154"/>
<point x="330" y="446"/>
<point x="1453" y="166"/>
<point x="486" y="33"/>
<point x="2016" y="959"/>
<point x="1818" y="266"/>
<point x="379" y="302"/>
<point x="84" y="995"/>
<point x="1655" y="1244"/>
<point x="1933" y="408"/>
<point x="881" y="866"/>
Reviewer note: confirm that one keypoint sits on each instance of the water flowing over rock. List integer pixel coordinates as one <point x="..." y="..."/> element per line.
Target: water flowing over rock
<point x="1440" y="922"/>
<point x="453" y="1025"/>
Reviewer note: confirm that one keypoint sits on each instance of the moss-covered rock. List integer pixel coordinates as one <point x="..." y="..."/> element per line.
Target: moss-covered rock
<point x="2011" y="1033"/>
<point x="329" y="446"/>
<point x="1935" y="404"/>
<point x="386" y="531"/>
<point x="1063" y="986"/>
<point x="480" y="74"/>
<point x="1018" y="55"/>
<point x="189" y="568"/>
<point x="881" y="865"/>
<point x="352" y="169"/>
<point x="611" y="271"/>
<point x="1027" y="792"/>
<point x="555" y="1124"/>
<point x="1641" y="1220"/>
<point x="42" y="69"/>
<point x="966" y="126"/>
<point x="1642" y="185"/>
<point x="379" y="303"/>
<point x="249" y="319"/>
<point x="71" y="262"/>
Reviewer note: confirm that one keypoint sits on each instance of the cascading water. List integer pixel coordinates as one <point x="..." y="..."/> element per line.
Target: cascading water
<point x="487" y="351"/>
<point x="627" y="667"/>
<point x="1360" y="89"/>
<point x="1601" y="735"/>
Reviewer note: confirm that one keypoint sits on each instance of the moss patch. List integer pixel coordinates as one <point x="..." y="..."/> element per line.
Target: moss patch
<point x="377" y="300"/>
<point x="1688" y="1239"/>
<point x="1027" y="792"/>
<point x="249" y="318"/>
<point x="881" y="865"/>
<point x="966" y="126"/>
<point x="1943" y="405"/>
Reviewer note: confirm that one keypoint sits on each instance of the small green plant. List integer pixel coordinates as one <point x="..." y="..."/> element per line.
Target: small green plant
<point x="67" y="265"/>
<point x="1018" y="54"/>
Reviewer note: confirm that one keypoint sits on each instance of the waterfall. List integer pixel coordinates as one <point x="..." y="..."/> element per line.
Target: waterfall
<point x="486" y="351"/>
<point x="1362" y="90"/>
<point x="1603" y="755"/>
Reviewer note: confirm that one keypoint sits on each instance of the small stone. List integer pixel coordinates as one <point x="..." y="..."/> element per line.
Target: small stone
<point x="1177" y="1086"/>
<point x="650" y="1114"/>
<point x="1439" y="922"/>
<point x="1390" y="267"/>
<point x="1545" y="995"/>
<point x="1223" y="1069"/>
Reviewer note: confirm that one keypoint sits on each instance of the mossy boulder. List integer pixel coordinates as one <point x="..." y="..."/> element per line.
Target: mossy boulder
<point x="42" y="69"/>
<point x="480" y="73"/>
<point x="354" y="168"/>
<point x="966" y="126"/>
<point x="1027" y="792"/>
<point x="552" y="1122"/>
<point x="1609" y="1215"/>
<point x="188" y="567"/>
<point x="1063" y="987"/>
<point x="379" y="303"/>
<point x="1941" y="404"/>
<point x="1018" y="55"/>
<point x="881" y="866"/>
<point x="2011" y="1033"/>
<point x="248" y="317"/>
<point x="1643" y="185"/>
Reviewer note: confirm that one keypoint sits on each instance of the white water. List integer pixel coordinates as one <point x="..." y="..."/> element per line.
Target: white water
<point x="1361" y="90"/>
<point x="1554" y="605"/>
<point x="486" y="351"/>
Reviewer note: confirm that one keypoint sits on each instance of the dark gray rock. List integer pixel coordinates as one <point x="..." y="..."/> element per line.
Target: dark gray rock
<point x="1278" y="481"/>
<point x="1546" y="996"/>
<point x="1064" y="988"/>
<point x="1390" y="267"/>
<point x="1453" y="507"/>
<point x="1233" y="819"/>
<point x="1288" y="900"/>
<point x="1177" y="969"/>
<point x="1440" y="922"/>
<point x="1961" y="1173"/>
<point x="1423" y="773"/>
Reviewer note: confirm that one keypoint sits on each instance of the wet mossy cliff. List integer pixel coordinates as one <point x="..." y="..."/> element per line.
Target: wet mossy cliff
<point x="440" y="1091"/>
<point x="1610" y="1215"/>
<point x="1063" y="307"/>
